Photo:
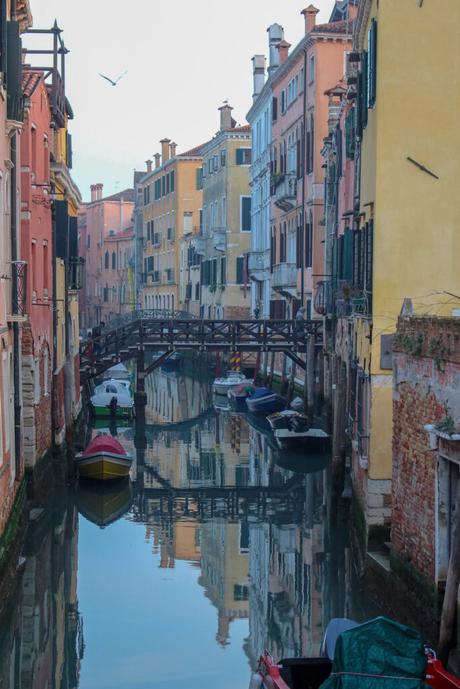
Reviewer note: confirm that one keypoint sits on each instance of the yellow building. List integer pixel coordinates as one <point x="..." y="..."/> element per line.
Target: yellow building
<point x="226" y="234"/>
<point x="172" y="199"/>
<point x="408" y="239"/>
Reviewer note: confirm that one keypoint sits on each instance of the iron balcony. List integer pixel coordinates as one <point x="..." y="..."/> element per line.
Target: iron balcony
<point x="284" y="191"/>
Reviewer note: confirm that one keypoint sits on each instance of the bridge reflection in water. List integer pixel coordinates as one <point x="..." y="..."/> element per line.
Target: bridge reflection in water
<point x="227" y="526"/>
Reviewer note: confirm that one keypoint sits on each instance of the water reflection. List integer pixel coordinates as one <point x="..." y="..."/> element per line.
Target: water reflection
<point x="220" y="532"/>
<point x="41" y="640"/>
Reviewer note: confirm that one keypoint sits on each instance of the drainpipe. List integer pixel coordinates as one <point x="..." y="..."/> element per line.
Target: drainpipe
<point x="16" y="339"/>
<point x="54" y="302"/>
<point x="304" y="170"/>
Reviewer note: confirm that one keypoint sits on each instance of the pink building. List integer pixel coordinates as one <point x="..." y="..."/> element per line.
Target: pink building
<point x="300" y="124"/>
<point x="105" y="228"/>
<point x="36" y="251"/>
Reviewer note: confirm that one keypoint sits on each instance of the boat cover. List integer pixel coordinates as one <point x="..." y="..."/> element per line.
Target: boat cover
<point x="261" y="392"/>
<point x="380" y="654"/>
<point x="104" y="443"/>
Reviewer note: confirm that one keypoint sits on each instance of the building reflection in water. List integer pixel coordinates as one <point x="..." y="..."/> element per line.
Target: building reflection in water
<point x="41" y="639"/>
<point x="214" y="492"/>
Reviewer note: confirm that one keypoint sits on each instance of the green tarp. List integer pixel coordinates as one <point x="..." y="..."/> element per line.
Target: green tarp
<point x="380" y="654"/>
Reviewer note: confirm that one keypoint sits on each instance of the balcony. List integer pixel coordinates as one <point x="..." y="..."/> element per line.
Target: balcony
<point x="198" y="242"/>
<point x="323" y="301"/>
<point x="75" y="272"/>
<point x="284" y="191"/>
<point x="154" y="277"/>
<point x="259" y="265"/>
<point x="19" y="291"/>
<point x="284" y="278"/>
<point x="219" y="238"/>
<point x="169" y="273"/>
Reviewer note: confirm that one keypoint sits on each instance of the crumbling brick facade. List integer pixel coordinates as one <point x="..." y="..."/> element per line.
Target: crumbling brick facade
<point x="426" y="370"/>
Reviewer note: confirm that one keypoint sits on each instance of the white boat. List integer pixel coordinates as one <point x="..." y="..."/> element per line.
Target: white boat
<point x="313" y="439"/>
<point x="118" y="405"/>
<point x="114" y="386"/>
<point x="283" y="419"/>
<point x="222" y="385"/>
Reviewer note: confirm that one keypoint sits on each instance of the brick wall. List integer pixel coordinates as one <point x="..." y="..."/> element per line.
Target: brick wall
<point x="426" y="370"/>
<point x="236" y="312"/>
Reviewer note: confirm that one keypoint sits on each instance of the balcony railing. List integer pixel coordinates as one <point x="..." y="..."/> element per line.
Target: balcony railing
<point x="284" y="276"/>
<point x="219" y="238"/>
<point x="155" y="277"/>
<point x="19" y="290"/>
<point x="284" y="191"/>
<point x="323" y="301"/>
<point x="75" y="273"/>
<point x="259" y="264"/>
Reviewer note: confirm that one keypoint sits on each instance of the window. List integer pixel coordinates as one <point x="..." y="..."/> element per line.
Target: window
<point x="88" y="241"/>
<point x="245" y="213"/>
<point x="46" y="267"/>
<point x="106" y="294"/>
<point x="167" y="183"/>
<point x="243" y="156"/>
<point x="310" y="143"/>
<point x="283" y="101"/>
<point x="240" y="270"/>
<point x="223" y="157"/>
<point x="311" y="69"/>
<point x="36" y="381"/>
<point x="197" y="291"/>
<point x="172" y="181"/>
<point x="114" y="260"/>
<point x="215" y="163"/>
<point x="272" y="249"/>
<point x="106" y="260"/>
<point x="223" y="270"/>
<point x="199" y="178"/>
<point x="309" y="243"/>
<point x="240" y="593"/>
<point x="45" y="373"/>
<point x="274" y="109"/>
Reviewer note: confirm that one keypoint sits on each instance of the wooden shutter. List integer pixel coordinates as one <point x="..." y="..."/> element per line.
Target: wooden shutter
<point x="239" y="270"/>
<point x="245" y="213"/>
<point x="347" y="264"/>
<point x="364" y="100"/>
<point x="239" y="156"/>
<point x="372" y="67"/>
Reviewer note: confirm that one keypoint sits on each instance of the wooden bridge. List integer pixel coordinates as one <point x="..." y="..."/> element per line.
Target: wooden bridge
<point x="148" y="332"/>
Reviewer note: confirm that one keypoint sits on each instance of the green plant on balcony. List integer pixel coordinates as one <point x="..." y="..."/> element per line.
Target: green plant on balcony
<point x="447" y="425"/>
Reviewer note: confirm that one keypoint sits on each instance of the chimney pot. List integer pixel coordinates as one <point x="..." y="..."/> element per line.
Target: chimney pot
<point x="258" y="71"/>
<point x="172" y="149"/>
<point x="165" y="150"/>
<point x="225" y="117"/>
<point x="283" y="51"/>
<point x="309" y="14"/>
<point x="149" y="165"/>
<point x="93" y="189"/>
<point x="275" y="35"/>
<point x="157" y="157"/>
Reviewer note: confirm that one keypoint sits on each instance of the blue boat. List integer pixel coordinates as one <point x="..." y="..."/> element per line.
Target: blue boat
<point x="265" y="401"/>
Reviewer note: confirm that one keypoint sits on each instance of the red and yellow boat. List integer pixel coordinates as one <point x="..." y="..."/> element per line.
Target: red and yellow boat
<point x="105" y="459"/>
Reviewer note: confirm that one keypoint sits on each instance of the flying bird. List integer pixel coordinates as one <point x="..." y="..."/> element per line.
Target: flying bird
<point x="114" y="83"/>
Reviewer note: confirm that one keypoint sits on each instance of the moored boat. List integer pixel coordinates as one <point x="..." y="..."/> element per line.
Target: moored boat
<point x="118" y="371"/>
<point x="264" y="400"/>
<point x="380" y="652"/>
<point x="104" y="459"/>
<point x="239" y="394"/>
<point x="112" y="404"/>
<point x="103" y="504"/>
<point x="233" y="378"/>
<point x="311" y="439"/>
<point x="114" y="385"/>
<point x="285" y="419"/>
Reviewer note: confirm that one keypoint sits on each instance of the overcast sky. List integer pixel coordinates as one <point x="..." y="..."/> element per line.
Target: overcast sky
<point x="183" y="59"/>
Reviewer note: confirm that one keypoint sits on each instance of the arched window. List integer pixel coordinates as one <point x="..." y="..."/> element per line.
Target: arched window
<point x="106" y="260"/>
<point x="114" y="260"/>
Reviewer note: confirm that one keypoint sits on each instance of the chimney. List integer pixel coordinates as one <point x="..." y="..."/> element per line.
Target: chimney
<point x="149" y="165"/>
<point x="283" y="51"/>
<point x="172" y="149"/>
<point x="275" y="35"/>
<point x="309" y="14"/>
<point x="165" y="150"/>
<point x="225" y="117"/>
<point x="258" y="71"/>
<point x="99" y="187"/>
<point x="93" y="189"/>
<point x="157" y="157"/>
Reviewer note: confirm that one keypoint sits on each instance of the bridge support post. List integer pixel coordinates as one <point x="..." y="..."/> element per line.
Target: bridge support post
<point x="140" y="396"/>
<point x="309" y="384"/>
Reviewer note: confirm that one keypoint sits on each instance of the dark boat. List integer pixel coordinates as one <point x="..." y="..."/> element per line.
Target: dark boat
<point x="378" y="653"/>
<point x="103" y="504"/>
<point x="264" y="400"/>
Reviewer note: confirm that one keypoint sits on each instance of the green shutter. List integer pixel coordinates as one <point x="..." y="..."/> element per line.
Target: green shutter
<point x="172" y="181"/>
<point x="347" y="264"/>
<point x="239" y="156"/>
<point x="239" y="270"/>
<point x="364" y="101"/>
<point x="372" y="67"/>
<point x="245" y="213"/>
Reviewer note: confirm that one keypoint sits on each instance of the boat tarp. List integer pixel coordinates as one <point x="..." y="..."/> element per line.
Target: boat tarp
<point x="261" y="392"/>
<point x="380" y="654"/>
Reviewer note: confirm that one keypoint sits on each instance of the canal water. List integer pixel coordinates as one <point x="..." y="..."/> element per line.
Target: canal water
<point x="220" y="547"/>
